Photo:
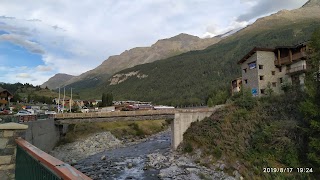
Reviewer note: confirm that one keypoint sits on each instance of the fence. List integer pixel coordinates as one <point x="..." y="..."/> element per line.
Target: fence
<point x="24" y="118"/>
<point x="32" y="163"/>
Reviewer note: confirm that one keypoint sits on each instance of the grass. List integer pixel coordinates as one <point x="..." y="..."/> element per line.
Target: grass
<point x="120" y="129"/>
<point x="249" y="139"/>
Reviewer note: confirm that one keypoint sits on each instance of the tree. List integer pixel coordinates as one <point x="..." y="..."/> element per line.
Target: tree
<point x="109" y="99"/>
<point x="210" y="102"/>
<point x="269" y="90"/>
<point x="311" y="106"/>
<point x="104" y="100"/>
<point x="29" y="98"/>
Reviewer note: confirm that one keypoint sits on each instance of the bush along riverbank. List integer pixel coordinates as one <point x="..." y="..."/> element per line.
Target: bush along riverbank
<point x="252" y="134"/>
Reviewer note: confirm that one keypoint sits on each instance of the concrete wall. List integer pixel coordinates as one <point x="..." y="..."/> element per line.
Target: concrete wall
<point x="182" y="122"/>
<point x="43" y="134"/>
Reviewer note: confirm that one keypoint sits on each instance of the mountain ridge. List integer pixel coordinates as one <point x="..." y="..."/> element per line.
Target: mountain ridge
<point x="191" y="77"/>
<point x="56" y="80"/>
<point x="162" y="49"/>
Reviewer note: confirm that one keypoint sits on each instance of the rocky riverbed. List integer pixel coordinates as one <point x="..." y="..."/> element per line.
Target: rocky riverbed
<point x="80" y="149"/>
<point x="149" y="158"/>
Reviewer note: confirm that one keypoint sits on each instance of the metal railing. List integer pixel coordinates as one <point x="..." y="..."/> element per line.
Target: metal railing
<point x="8" y="118"/>
<point x="24" y="118"/>
<point x="32" y="163"/>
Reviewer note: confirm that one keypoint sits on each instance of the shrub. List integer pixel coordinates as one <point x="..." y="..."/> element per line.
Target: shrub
<point x="245" y="100"/>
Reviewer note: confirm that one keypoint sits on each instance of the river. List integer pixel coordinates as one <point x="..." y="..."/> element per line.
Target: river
<point x="126" y="162"/>
<point x="150" y="159"/>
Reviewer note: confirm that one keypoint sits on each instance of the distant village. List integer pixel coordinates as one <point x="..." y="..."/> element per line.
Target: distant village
<point x="68" y="105"/>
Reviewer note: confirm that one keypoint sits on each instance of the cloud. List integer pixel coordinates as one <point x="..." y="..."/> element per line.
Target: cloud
<point x="21" y="41"/>
<point x="214" y="29"/>
<point x="263" y="7"/>
<point x="74" y="37"/>
<point x="23" y="75"/>
<point x="43" y="68"/>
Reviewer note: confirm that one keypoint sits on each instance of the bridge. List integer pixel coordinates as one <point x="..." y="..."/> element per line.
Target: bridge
<point x="74" y="118"/>
<point x="21" y="160"/>
<point x="182" y="118"/>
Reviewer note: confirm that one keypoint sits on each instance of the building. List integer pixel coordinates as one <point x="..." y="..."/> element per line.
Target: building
<point x="5" y="97"/>
<point x="264" y="68"/>
<point x="236" y="85"/>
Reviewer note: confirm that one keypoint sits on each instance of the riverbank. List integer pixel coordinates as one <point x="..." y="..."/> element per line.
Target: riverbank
<point x="149" y="158"/>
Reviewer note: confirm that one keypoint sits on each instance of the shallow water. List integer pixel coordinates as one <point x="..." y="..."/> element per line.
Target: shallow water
<point x="127" y="162"/>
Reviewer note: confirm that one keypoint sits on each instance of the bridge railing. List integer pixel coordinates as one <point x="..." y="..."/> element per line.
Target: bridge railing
<point x="24" y="118"/>
<point x="112" y="114"/>
<point x="32" y="163"/>
<point x="127" y="113"/>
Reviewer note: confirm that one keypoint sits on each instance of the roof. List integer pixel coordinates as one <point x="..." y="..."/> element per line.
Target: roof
<point x="2" y="90"/>
<point x="254" y="50"/>
<point x="293" y="47"/>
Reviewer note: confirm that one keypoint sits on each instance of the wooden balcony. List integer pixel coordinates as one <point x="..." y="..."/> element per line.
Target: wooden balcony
<point x="296" y="70"/>
<point x="290" y="59"/>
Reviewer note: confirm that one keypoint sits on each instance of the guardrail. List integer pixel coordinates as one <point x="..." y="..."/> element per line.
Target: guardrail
<point x="24" y="118"/>
<point x="296" y="69"/>
<point x="32" y="163"/>
<point x="126" y="113"/>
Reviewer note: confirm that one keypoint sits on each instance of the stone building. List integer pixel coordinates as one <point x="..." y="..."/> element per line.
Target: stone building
<point x="266" y="68"/>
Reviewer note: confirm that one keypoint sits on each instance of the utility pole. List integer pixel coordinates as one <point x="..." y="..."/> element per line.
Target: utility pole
<point x="70" y="100"/>
<point x="64" y="95"/>
<point x="59" y="101"/>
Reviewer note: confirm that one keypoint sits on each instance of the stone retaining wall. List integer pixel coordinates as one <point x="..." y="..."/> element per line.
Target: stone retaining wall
<point x="8" y="133"/>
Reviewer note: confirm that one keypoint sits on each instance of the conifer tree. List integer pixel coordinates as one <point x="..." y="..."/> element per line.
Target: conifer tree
<point x="311" y="106"/>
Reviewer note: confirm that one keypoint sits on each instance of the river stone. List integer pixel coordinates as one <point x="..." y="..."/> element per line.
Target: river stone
<point x="103" y="157"/>
<point x="129" y="165"/>
<point x="222" y="166"/>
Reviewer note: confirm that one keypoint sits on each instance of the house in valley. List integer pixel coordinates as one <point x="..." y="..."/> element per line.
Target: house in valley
<point x="5" y="97"/>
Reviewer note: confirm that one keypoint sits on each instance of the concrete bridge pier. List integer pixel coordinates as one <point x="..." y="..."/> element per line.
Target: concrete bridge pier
<point x="183" y="120"/>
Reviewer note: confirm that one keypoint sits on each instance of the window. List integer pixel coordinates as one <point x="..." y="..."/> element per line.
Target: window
<point x="280" y="69"/>
<point x="262" y="91"/>
<point x="261" y="77"/>
<point x="273" y="73"/>
<point x="281" y="81"/>
<point x="252" y="65"/>
<point x="246" y="81"/>
<point x="245" y="70"/>
<point x="274" y="84"/>
<point x="260" y="66"/>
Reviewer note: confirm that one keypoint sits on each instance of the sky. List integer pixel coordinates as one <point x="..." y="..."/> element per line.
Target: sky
<point x="39" y="38"/>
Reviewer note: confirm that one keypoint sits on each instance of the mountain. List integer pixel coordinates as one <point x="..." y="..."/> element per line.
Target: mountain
<point x="140" y="55"/>
<point x="191" y="77"/>
<point x="312" y="3"/>
<point x="56" y="81"/>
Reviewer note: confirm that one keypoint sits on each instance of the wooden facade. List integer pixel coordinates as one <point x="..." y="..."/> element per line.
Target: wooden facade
<point x="5" y="96"/>
<point x="286" y="55"/>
